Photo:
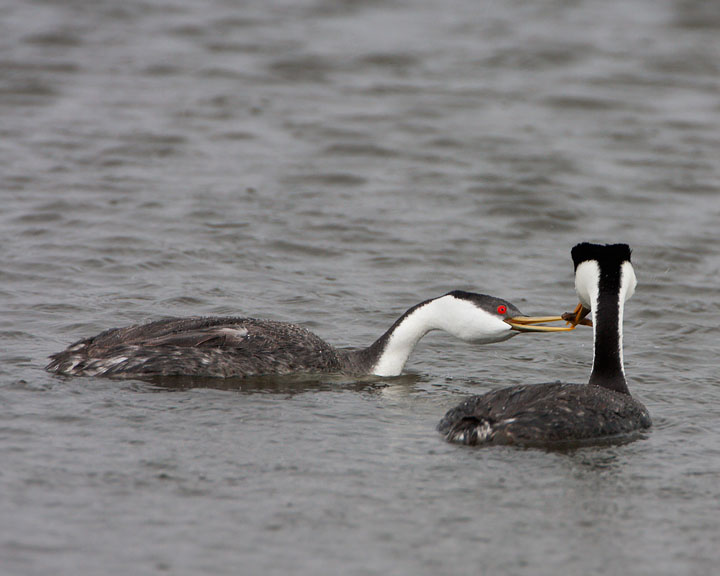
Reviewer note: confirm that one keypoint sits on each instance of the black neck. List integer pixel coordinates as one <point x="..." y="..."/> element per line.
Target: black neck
<point x="607" y="370"/>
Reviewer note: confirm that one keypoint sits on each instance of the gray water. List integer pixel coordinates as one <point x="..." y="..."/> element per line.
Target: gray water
<point x="333" y="163"/>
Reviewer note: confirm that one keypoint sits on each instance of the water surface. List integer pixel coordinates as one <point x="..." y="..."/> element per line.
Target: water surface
<point x="334" y="163"/>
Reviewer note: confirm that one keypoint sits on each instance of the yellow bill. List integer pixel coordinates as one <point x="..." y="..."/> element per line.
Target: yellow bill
<point x="527" y="324"/>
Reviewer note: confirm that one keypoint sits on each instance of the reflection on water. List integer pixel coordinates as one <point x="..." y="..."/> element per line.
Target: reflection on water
<point x="284" y="385"/>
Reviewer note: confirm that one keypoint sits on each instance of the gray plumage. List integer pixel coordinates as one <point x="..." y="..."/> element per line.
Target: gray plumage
<point x="555" y="413"/>
<point x="238" y="347"/>
<point x="214" y="347"/>
<point x="543" y="415"/>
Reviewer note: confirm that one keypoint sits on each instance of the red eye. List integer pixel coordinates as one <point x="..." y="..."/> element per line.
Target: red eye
<point x="502" y="309"/>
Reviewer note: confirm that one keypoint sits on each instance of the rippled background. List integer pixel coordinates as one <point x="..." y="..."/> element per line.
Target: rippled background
<point x="334" y="163"/>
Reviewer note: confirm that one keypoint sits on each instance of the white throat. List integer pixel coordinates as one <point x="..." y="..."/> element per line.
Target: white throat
<point x="454" y="315"/>
<point x="587" y="286"/>
<point x="628" y="281"/>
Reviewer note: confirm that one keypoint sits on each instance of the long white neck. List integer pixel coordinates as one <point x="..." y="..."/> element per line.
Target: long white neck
<point x="605" y="294"/>
<point x="456" y="316"/>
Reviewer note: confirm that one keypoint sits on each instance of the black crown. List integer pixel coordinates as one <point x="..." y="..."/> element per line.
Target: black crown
<point x="604" y="253"/>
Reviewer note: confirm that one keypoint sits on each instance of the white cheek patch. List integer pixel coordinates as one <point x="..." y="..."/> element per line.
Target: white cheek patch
<point x="628" y="281"/>
<point x="587" y="283"/>
<point x="466" y="321"/>
<point x="456" y="316"/>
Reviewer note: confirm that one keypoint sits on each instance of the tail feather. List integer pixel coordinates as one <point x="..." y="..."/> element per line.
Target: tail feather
<point x="471" y="431"/>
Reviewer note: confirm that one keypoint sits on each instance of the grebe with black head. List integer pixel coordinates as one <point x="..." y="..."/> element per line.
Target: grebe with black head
<point x="228" y="347"/>
<point x="559" y="413"/>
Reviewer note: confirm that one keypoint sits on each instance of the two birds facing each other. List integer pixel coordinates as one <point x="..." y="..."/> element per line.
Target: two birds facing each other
<point x="538" y="414"/>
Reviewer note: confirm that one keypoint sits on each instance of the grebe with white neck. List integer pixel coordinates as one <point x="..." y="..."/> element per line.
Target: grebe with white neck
<point x="558" y="413"/>
<point x="228" y="347"/>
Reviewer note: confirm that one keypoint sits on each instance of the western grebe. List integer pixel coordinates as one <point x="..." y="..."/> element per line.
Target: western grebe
<point x="229" y="347"/>
<point x="546" y="414"/>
